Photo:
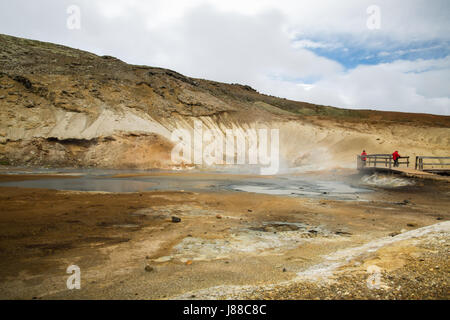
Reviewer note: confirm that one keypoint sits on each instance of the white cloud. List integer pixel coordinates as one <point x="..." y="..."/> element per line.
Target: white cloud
<point x="309" y="44"/>
<point x="234" y="47"/>
<point x="393" y="86"/>
<point x="306" y="86"/>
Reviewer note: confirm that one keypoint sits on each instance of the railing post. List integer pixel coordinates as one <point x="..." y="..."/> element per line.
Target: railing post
<point x="416" y="164"/>
<point x="390" y="163"/>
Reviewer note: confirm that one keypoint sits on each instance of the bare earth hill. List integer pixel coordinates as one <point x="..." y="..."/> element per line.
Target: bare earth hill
<point x="65" y="107"/>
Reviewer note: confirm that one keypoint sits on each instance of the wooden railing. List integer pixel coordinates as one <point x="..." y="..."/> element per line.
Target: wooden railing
<point x="379" y="161"/>
<point x="430" y="166"/>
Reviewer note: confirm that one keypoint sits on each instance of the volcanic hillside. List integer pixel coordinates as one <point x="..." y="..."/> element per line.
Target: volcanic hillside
<point x="65" y="107"/>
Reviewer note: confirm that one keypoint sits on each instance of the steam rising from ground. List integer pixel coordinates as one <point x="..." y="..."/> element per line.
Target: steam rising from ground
<point x="386" y="181"/>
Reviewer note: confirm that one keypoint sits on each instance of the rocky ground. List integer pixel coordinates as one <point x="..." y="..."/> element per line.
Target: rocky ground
<point x="421" y="272"/>
<point x="224" y="245"/>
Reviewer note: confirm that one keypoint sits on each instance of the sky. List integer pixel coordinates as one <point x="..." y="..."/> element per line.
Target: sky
<point x="381" y="55"/>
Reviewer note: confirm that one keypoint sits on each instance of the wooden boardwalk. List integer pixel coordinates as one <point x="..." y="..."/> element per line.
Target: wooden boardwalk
<point x="385" y="163"/>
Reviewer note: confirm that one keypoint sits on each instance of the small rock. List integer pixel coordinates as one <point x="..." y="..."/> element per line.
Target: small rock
<point x="218" y="216"/>
<point x="284" y="270"/>
<point x="393" y="234"/>
<point x="147" y="257"/>
<point x="343" y="233"/>
<point x="149" y="268"/>
<point x="249" y="210"/>
<point x="411" y="225"/>
<point x="176" y="219"/>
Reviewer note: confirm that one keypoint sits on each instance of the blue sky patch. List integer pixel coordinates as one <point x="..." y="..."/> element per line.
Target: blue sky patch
<point x="351" y="54"/>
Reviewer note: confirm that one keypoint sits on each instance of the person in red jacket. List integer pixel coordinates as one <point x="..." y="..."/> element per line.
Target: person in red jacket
<point x="395" y="156"/>
<point x="363" y="158"/>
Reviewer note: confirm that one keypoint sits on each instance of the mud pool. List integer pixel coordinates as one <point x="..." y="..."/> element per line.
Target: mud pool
<point x="107" y="181"/>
